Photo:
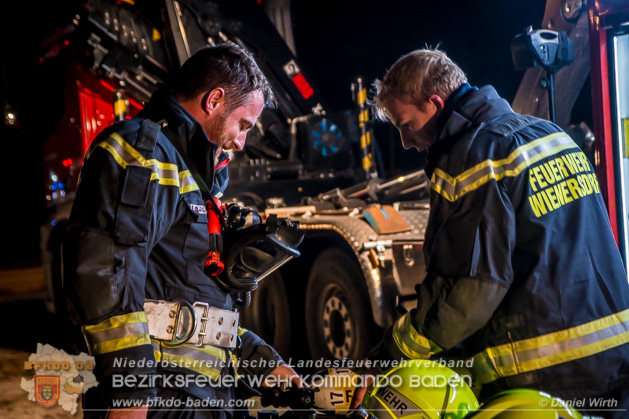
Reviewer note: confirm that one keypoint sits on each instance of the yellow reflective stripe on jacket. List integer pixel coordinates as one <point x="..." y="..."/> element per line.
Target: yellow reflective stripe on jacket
<point x="131" y="156"/>
<point x="453" y="188"/>
<point x="165" y="173"/>
<point x="552" y="349"/>
<point x="410" y="342"/>
<point x="187" y="182"/>
<point x="208" y="360"/>
<point x="234" y="360"/>
<point x="117" y="333"/>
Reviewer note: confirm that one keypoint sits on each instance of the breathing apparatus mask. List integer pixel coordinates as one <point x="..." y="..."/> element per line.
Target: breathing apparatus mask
<point x="253" y="249"/>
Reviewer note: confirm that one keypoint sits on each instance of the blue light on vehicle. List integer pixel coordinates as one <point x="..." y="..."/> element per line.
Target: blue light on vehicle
<point x="328" y="138"/>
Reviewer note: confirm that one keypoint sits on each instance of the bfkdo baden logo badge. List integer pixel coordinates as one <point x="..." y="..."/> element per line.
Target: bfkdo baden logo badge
<point x="58" y="379"/>
<point x="47" y="389"/>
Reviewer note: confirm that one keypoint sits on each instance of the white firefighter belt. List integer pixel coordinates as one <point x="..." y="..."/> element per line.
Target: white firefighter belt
<point x="198" y="324"/>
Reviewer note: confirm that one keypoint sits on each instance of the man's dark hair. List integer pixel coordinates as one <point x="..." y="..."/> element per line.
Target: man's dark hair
<point x="227" y="66"/>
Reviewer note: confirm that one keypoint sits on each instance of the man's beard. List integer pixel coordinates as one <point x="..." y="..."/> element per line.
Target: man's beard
<point x="215" y="129"/>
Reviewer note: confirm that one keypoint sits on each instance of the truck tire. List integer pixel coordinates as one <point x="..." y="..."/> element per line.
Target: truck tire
<point x="268" y="315"/>
<point x="339" y="323"/>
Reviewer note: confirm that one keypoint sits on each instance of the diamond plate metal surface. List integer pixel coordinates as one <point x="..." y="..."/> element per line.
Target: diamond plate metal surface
<point x="358" y="231"/>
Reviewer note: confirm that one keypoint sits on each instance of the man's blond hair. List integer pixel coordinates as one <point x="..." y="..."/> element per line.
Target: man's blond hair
<point x="415" y="77"/>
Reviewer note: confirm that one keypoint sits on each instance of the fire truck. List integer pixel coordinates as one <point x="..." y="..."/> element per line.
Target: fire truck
<point x="362" y="252"/>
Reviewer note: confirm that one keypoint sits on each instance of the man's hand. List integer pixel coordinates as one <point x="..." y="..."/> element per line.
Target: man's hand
<point x="359" y="392"/>
<point x="282" y="374"/>
<point x="128" y="413"/>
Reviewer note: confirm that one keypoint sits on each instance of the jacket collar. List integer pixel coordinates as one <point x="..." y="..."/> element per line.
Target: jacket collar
<point x="451" y="103"/>
<point x="164" y="105"/>
<point x="185" y="132"/>
<point x="466" y="107"/>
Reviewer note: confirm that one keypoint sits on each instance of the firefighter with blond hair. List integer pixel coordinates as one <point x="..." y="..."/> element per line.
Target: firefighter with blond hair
<point x="524" y="277"/>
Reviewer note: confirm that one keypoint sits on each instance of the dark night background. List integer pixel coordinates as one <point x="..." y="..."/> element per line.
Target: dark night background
<point x="335" y="40"/>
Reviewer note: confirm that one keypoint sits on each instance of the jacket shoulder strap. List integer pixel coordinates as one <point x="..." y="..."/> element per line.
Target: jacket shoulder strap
<point x="147" y="136"/>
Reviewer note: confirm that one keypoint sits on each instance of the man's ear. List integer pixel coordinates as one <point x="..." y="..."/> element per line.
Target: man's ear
<point x="213" y="100"/>
<point x="437" y="101"/>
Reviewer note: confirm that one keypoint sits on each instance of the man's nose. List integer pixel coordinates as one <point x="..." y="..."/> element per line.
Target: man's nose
<point x="403" y="137"/>
<point x="239" y="144"/>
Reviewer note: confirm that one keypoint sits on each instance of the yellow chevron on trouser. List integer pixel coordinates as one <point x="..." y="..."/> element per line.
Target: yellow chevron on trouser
<point x="117" y="333"/>
<point x="453" y="188"/>
<point x="208" y="360"/>
<point x="165" y="173"/>
<point x="552" y="349"/>
<point x="410" y="342"/>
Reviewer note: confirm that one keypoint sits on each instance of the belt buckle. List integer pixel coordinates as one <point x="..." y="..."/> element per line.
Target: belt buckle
<point x="204" y="320"/>
<point x="191" y="327"/>
<point x="219" y="325"/>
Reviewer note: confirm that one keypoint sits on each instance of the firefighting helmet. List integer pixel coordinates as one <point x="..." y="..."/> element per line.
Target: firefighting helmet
<point x="523" y="404"/>
<point x="419" y="389"/>
<point x="334" y="390"/>
<point x="250" y="254"/>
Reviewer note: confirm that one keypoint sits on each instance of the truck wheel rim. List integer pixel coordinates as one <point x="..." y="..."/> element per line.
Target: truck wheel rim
<point x="338" y="330"/>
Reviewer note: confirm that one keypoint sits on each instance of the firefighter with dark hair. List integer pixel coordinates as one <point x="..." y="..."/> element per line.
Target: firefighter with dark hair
<point x="524" y="276"/>
<point x="143" y="271"/>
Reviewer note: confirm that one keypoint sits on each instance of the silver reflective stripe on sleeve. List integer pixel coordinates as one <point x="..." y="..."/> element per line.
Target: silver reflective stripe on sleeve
<point x="117" y="333"/>
<point x="187" y="182"/>
<point x="551" y="349"/>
